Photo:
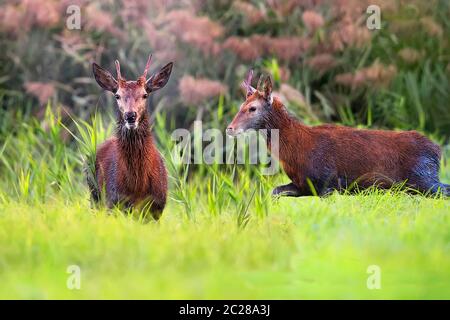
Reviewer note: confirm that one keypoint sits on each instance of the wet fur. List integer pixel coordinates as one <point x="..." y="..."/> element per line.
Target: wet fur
<point x="335" y="157"/>
<point x="130" y="170"/>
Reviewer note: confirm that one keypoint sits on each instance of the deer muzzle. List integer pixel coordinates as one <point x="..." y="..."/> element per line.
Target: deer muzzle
<point x="130" y="120"/>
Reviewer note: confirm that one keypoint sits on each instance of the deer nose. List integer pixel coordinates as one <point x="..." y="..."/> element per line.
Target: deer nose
<point x="130" y="117"/>
<point x="230" y="130"/>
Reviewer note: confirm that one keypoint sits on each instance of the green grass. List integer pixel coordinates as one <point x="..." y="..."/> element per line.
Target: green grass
<point x="304" y="248"/>
<point x="221" y="235"/>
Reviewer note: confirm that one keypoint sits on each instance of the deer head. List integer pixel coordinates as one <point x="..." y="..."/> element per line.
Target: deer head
<point x="255" y="110"/>
<point x="131" y="96"/>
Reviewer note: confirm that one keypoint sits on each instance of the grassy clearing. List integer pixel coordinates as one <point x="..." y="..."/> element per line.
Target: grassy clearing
<point x="221" y="236"/>
<point x="305" y="248"/>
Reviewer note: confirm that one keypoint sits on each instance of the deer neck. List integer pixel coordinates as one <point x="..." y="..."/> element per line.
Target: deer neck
<point x="291" y="132"/>
<point x="135" y="145"/>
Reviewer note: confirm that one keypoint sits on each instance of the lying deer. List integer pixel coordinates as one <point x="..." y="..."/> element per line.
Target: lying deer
<point x="332" y="157"/>
<point x="128" y="167"/>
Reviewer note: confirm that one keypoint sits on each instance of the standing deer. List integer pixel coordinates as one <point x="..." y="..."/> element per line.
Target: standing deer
<point x="128" y="167"/>
<point x="332" y="157"/>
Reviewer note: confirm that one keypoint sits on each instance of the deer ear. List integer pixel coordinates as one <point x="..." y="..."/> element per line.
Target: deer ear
<point x="159" y="79"/>
<point x="104" y="78"/>
<point x="267" y="89"/>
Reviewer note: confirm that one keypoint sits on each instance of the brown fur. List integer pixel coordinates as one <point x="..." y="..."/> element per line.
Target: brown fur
<point x="129" y="169"/>
<point x="333" y="157"/>
<point x="132" y="172"/>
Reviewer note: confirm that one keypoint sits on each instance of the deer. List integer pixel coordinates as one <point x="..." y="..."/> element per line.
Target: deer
<point x="129" y="170"/>
<point x="326" y="158"/>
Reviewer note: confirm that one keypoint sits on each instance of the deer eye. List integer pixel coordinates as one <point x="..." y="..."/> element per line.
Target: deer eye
<point x="117" y="96"/>
<point x="145" y="96"/>
<point x="252" y="109"/>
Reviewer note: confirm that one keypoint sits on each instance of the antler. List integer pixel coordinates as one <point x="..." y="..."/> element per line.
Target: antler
<point x="147" y="67"/>
<point x="119" y="76"/>
<point x="248" y="80"/>
<point x="247" y="83"/>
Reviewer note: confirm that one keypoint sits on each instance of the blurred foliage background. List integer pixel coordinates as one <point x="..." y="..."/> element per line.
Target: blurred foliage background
<point x="327" y="65"/>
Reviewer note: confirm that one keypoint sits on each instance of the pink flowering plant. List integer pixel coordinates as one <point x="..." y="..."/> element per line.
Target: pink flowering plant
<point x="324" y="50"/>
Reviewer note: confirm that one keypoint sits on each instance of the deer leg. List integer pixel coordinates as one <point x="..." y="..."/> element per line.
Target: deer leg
<point x="287" y="190"/>
<point x="92" y="184"/>
<point x="151" y="210"/>
<point x="112" y="196"/>
<point x="291" y="190"/>
<point x="326" y="192"/>
<point x="110" y="188"/>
